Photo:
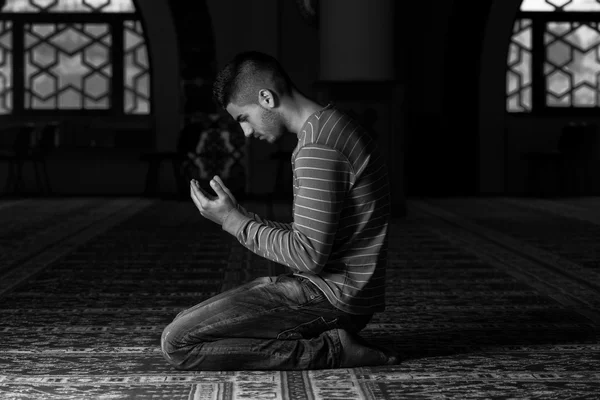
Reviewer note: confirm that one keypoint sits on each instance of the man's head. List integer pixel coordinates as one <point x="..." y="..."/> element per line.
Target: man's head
<point x="250" y="87"/>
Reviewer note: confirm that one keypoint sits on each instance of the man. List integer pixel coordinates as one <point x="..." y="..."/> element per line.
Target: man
<point x="335" y="249"/>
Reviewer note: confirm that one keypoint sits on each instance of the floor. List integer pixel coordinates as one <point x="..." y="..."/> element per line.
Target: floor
<point x="487" y="298"/>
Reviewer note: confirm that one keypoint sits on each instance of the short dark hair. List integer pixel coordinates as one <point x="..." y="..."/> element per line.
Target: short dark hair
<point x="239" y="81"/>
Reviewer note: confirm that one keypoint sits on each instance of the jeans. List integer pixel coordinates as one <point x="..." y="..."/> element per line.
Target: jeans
<point x="271" y="323"/>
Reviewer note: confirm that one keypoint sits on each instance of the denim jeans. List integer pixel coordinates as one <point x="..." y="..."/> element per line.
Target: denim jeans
<point x="271" y="323"/>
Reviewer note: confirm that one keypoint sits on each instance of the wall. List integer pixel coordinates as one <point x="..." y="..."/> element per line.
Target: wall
<point x="421" y="61"/>
<point x="274" y="27"/>
<point x="504" y="137"/>
<point x="103" y="170"/>
<point x="452" y="115"/>
<point x="439" y="55"/>
<point x="271" y="26"/>
<point x="525" y="134"/>
<point x="492" y="85"/>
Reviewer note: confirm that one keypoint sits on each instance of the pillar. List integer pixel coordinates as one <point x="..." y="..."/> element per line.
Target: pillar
<point x="357" y="72"/>
<point x="356" y="40"/>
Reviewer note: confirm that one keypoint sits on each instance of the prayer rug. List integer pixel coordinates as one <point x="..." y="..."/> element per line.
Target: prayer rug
<point x="487" y="298"/>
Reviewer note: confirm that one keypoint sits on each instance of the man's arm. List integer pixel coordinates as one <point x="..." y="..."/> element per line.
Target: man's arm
<point x="258" y="218"/>
<point x="324" y="178"/>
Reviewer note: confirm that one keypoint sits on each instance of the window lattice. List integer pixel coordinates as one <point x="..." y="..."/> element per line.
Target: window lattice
<point x="560" y="5"/>
<point x="67" y="66"/>
<point x="137" y="70"/>
<point x="519" y="68"/>
<point x="61" y="6"/>
<point x="5" y="67"/>
<point x="73" y="64"/>
<point x="570" y="64"/>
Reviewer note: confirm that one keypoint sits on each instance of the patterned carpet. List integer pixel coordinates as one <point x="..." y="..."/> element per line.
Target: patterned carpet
<point x="488" y="298"/>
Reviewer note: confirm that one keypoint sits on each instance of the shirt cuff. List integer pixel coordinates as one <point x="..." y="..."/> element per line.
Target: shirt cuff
<point x="234" y="222"/>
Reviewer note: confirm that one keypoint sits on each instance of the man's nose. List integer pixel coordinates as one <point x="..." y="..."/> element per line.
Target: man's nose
<point x="248" y="131"/>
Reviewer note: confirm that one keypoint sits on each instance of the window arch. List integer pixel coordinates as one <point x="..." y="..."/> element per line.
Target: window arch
<point x="554" y="57"/>
<point x="73" y="56"/>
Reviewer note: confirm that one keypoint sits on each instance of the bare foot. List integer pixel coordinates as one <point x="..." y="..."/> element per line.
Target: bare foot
<point x="357" y="353"/>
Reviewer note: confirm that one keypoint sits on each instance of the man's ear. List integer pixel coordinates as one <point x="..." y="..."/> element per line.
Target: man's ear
<point x="267" y="99"/>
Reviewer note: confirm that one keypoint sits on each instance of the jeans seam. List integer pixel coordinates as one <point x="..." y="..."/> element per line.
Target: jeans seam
<point x="227" y="351"/>
<point x="302" y="324"/>
<point x="241" y="318"/>
<point x="337" y="344"/>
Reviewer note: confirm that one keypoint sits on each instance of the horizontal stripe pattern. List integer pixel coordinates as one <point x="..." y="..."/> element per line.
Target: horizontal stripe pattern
<point x="338" y="238"/>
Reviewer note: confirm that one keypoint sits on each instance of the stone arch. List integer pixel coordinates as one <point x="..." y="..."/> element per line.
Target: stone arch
<point x="164" y="55"/>
<point x="492" y="95"/>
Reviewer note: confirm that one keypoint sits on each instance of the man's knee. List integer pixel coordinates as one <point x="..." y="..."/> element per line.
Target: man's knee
<point x="180" y="355"/>
<point x="171" y="350"/>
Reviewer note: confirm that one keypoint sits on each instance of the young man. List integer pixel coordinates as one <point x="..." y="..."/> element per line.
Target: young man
<point x="335" y="249"/>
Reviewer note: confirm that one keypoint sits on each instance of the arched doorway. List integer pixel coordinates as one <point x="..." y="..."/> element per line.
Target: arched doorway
<point x="532" y="96"/>
<point x="492" y="96"/>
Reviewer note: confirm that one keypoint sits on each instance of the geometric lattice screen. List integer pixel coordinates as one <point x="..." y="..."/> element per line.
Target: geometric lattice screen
<point x="5" y="67"/>
<point x="70" y="6"/>
<point x="67" y="66"/>
<point x="518" y="76"/>
<point x="96" y="59"/>
<point x="571" y="66"/>
<point x="570" y="63"/>
<point x="137" y="70"/>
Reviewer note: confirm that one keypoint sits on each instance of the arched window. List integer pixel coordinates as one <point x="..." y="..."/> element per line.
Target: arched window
<point x="73" y="56"/>
<point x="554" y="58"/>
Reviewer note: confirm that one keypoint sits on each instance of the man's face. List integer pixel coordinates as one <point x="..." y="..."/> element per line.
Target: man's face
<point x="257" y="121"/>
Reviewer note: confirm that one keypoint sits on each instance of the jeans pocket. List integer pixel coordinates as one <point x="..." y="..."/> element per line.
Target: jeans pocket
<point x="313" y="293"/>
<point x="308" y="329"/>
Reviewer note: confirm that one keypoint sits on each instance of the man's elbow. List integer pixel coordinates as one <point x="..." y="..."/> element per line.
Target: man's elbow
<point x="316" y="265"/>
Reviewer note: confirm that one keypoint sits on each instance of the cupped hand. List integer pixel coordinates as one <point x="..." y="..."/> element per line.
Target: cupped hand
<point x="217" y="178"/>
<point x="214" y="208"/>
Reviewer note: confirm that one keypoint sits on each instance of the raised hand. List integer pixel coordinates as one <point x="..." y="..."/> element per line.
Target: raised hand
<point x="226" y="190"/>
<point x="211" y="207"/>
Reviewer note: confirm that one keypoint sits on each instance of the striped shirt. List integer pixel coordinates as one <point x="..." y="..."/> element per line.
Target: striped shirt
<point x="339" y="235"/>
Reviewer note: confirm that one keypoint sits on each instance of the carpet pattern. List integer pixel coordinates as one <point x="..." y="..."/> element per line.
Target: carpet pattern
<point x="487" y="298"/>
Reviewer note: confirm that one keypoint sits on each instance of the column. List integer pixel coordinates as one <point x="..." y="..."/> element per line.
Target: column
<point x="358" y="73"/>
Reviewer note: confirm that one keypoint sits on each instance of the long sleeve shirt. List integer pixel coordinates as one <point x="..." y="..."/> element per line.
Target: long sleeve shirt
<point x="338" y="237"/>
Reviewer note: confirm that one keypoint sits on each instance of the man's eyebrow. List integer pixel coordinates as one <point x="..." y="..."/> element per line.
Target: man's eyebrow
<point x="240" y="117"/>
